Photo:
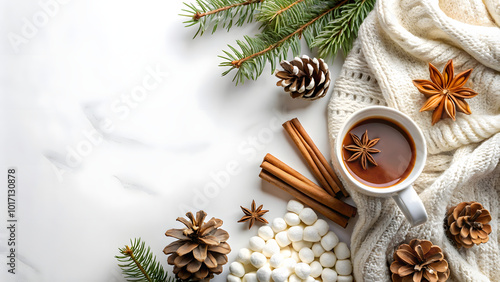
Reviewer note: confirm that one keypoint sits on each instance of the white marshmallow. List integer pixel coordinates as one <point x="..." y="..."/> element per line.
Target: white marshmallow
<point x="308" y="216"/>
<point x="317" y="249"/>
<point x="286" y="252"/>
<point x="327" y="259"/>
<point x="280" y="274"/>
<point x="250" y="277"/>
<point x="329" y="275"/>
<point x="288" y="263"/>
<point x="271" y="248"/>
<point x="276" y="260"/>
<point x="292" y="219"/>
<point x="265" y="232"/>
<point x="295" y="233"/>
<point x="301" y="244"/>
<point x="256" y="244"/>
<point x="322" y="226"/>
<point x="302" y="270"/>
<point x="294" y="278"/>
<point x="264" y="274"/>
<point x="316" y="269"/>
<point x="311" y="234"/>
<point x="244" y="255"/>
<point x="294" y="206"/>
<point x="278" y="224"/>
<point x="329" y="241"/>
<point x="258" y="259"/>
<point x="309" y="279"/>
<point x="237" y="269"/>
<point x="295" y="256"/>
<point x="282" y="239"/>
<point x="306" y="255"/>
<point x="343" y="278"/>
<point x="342" y="251"/>
<point x="343" y="267"/>
<point x="232" y="278"/>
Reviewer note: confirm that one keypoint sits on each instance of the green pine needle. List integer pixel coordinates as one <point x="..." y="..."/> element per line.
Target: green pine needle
<point x="343" y="29"/>
<point x="212" y="13"/>
<point x="273" y="45"/>
<point x="278" y="14"/>
<point x="326" y="26"/>
<point x="138" y="263"/>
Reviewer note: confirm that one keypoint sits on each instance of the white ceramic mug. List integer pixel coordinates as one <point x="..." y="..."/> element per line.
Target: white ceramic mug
<point x="403" y="193"/>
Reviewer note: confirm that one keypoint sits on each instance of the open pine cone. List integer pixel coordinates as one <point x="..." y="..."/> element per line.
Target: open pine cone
<point x="201" y="248"/>
<point x="419" y="261"/>
<point x="304" y="77"/>
<point x="467" y="224"/>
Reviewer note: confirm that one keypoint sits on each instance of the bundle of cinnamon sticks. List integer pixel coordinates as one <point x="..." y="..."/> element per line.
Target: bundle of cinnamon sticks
<point x="324" y="197"/>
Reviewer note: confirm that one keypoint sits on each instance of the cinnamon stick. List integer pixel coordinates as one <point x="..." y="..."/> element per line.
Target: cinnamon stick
<point x="322" y="159"/>
<point x="296" y="139"/>
<point x="313" y="191"/>
<point x="327" y="212"/>
<point x="281" y="165"/>
<point x="331" y="187"/>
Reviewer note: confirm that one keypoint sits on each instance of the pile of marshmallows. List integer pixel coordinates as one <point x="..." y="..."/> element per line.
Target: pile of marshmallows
<point x="298" y="247"/>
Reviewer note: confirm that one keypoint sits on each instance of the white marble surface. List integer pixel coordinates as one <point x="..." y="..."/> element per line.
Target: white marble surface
<point x="97" y="165"/>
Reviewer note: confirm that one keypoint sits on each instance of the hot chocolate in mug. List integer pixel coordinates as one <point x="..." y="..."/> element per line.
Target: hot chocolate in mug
<point x="381" y="151"/>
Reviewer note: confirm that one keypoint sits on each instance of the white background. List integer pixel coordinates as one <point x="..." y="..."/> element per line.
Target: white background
<point x="93" y="171"/>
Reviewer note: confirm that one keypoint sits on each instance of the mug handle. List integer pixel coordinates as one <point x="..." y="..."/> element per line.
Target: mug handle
<point x="412" y="207"/>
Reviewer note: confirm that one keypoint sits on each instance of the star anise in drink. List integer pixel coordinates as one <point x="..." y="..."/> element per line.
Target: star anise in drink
<point x="363" y="149"/>
<point x="445" y="92"/>
<point x="253" y="214"/>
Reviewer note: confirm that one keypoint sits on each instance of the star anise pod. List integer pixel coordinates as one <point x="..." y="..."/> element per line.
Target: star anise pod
<point x="445" y="92"/>
<point x="253" y="214"/>
<point x="363" y="149"/>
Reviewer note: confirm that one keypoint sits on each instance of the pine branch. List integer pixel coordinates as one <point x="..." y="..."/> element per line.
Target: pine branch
<point x="214" y="12"/>
<point x="281" y="11"/>
<point x="138" y="263"/>
<point x="273" y="45"/>
<point x="341" y="32"/>
<point x="277" y="14"/>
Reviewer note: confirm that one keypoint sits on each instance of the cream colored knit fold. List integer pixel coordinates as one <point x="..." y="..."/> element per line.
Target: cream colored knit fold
<point x="395" y="43"/>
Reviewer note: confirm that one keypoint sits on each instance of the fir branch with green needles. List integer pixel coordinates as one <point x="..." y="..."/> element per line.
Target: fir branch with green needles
<point x="276" y="14"/>
<point x="273" y="46"/>
<point x="328" y="25"/>
<point x="138" y="263"/>
<point x="340" y="32"/>
<point x="215" y="12"/>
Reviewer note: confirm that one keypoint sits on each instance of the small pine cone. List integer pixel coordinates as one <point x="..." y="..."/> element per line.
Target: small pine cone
<point x="305" y="77"/>
<point x="467" y="224"/>
<point x="201" y="248"/>
<point x="419" y="261"/>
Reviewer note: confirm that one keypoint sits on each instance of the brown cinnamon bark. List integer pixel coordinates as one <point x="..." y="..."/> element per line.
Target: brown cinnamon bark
<point x="329" y="175"/>
<point x="303" y="150"/>
<point x="313" y="191"/>
<point x="281" y="165"/>
<point x="327" y="212"/>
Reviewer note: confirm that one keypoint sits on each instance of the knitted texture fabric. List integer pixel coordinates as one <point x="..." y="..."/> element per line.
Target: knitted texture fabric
<point x="394" y="45"/>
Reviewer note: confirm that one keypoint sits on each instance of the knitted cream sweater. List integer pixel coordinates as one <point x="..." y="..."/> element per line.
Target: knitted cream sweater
<point x="395" y="43"/>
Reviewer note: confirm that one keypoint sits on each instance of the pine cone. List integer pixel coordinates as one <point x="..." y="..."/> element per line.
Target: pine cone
<point x="419" y="261"/>
<point x="467" y="224"/>
<point x="305" y="77"/>
<point x="201" y="248"/>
